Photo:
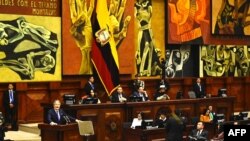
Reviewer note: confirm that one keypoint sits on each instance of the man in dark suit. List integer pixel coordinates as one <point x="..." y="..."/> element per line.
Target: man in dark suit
<point x="199" y="89"/>
<point x="175" y="126"/>
<point x="58" y="116"/>
<point x="199" y="134"/>
<point x="89" y="85"/>
<point x="118" y="96"/>
<point x="141" y="93"/>
<point x="10" y="105"/>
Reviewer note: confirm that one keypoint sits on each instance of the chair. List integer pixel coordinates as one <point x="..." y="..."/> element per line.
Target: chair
<point x="191" y="94"/>
<point x="86" y="128"/>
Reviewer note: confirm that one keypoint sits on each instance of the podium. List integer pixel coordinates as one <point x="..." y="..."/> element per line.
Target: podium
<point x="86" y="129"/>
<point x="59" y="132"/>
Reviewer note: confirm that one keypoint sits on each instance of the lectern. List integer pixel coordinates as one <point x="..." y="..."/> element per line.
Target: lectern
<point x="86" y="129"/>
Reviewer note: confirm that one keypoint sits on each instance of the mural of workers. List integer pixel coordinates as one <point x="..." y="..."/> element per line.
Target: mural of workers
<point x="147" y="55"/>
<point x="185" y="19"/>
<point x="180" y="61"/>
<point x="81" y="27"/>
<point x="224" y="60"/>
<point x="26" y="48"/>
<point x="232" y="18"/>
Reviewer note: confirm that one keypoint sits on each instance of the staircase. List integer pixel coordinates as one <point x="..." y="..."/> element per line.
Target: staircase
<point x="26" y="132"/>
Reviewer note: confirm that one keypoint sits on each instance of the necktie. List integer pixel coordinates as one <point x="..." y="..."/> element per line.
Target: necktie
<point x="58" y="115"/>
<point x="198" y="133"/>
<point x="199" y="86"/>
<point x="11" y="96"/>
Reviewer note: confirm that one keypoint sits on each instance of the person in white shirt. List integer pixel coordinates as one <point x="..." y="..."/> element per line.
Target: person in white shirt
<point x="137" y="121"/>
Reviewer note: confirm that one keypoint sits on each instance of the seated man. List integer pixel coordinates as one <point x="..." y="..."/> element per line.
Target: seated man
<point x="161" y="120"/>
<point x="118" y="96"/>
<point x="58" y="116"/>
<point x="198" y="134"/>
<point x="161" y="94"/>
<point x="140" y="93"/>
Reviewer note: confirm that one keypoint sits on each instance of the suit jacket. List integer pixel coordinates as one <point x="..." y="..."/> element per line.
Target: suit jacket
<point x="6" y="100"/>
<point x="115" y="97"/>
<point x="89" y="87"/>
<point x="53" y="117"/>
<point x="174" y="130"/>
<point x="203" y="136"/>
<point x="136" y="94"/>
<point x="198" y="93"/>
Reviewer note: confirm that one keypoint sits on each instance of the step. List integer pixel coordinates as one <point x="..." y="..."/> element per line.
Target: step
<point x="21" y="136"/>
<point x="30" y="128"/>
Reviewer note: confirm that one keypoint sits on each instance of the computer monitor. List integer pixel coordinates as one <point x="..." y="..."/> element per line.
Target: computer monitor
<point x="147" y="123"/>
<point x="222" y="92"/>
<point x="244" y="115"/>
<point x="220" y="118"/>
<point x="69" y="99"/>
<point x="90" y="101"/>
<point x="135" y="99"/>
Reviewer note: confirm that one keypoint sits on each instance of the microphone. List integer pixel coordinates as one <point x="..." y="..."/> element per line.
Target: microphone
<point x="66" y="119"/>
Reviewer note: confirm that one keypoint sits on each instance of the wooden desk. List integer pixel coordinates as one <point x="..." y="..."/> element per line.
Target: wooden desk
<point x="108" y="118"/>
<point x="60" y="132"/>
<point x="143" y="134"/>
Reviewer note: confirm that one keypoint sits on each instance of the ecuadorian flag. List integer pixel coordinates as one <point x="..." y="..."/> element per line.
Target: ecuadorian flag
<point x="104" y="54"/>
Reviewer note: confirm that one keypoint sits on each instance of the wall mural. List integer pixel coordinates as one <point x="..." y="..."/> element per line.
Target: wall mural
<point x="29" y="48"/>
<point x="188" y="20"/>
<point x="148" y="53"/>
<point x="181" y="60"/>
<point x="230" y="17"/>
<point x="78" y="35"/>
<point x="224" y="60"/>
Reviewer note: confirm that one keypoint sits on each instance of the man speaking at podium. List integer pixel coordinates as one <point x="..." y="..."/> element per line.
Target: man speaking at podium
<point x="57" y="116"/>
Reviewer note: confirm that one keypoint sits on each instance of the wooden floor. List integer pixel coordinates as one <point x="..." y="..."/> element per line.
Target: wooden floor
<point x="26" y="132"/>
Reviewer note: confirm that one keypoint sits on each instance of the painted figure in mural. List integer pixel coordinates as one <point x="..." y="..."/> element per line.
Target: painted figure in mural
<point x="232" y="17"/>
<point x="225" y="60"/>
<point x="187" y="16"/>
<point x="26" y="48"/>
<point x="81" y="28"/>
<point x="147" y="60"/>
<point x="241" y="60"/>
<point x="175" y="60"/>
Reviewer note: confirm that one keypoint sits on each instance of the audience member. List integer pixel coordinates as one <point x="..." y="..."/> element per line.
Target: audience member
<point x="212" y="114"/>
<point x="137" y="121"/>
<point x="141" y="93"/>
<point x="118" y="96"/>
<point x="198" y="134"/>
<point x="161" y="94"/>
<point x="220" y="134"/>
<point x="89" y="85"/>
<point x="138" y="83"/>
<point x="2" y="127"/>
<point x="199" y="89"/>
<point x="10" y="103"/>
<point x="161" y="120"/>
<point x="165" y="83"/>
<point x="175" y="126"/>
<point x="56" y="115"/>
<point x="205" y="117"/>
<point x="91" y="96"/>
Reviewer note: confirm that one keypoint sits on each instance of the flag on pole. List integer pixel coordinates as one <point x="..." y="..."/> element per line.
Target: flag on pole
<point x="104" y="54"/>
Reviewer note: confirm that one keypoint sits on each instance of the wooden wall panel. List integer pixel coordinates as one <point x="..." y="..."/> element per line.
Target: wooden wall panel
<point x="30" y="95"/>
